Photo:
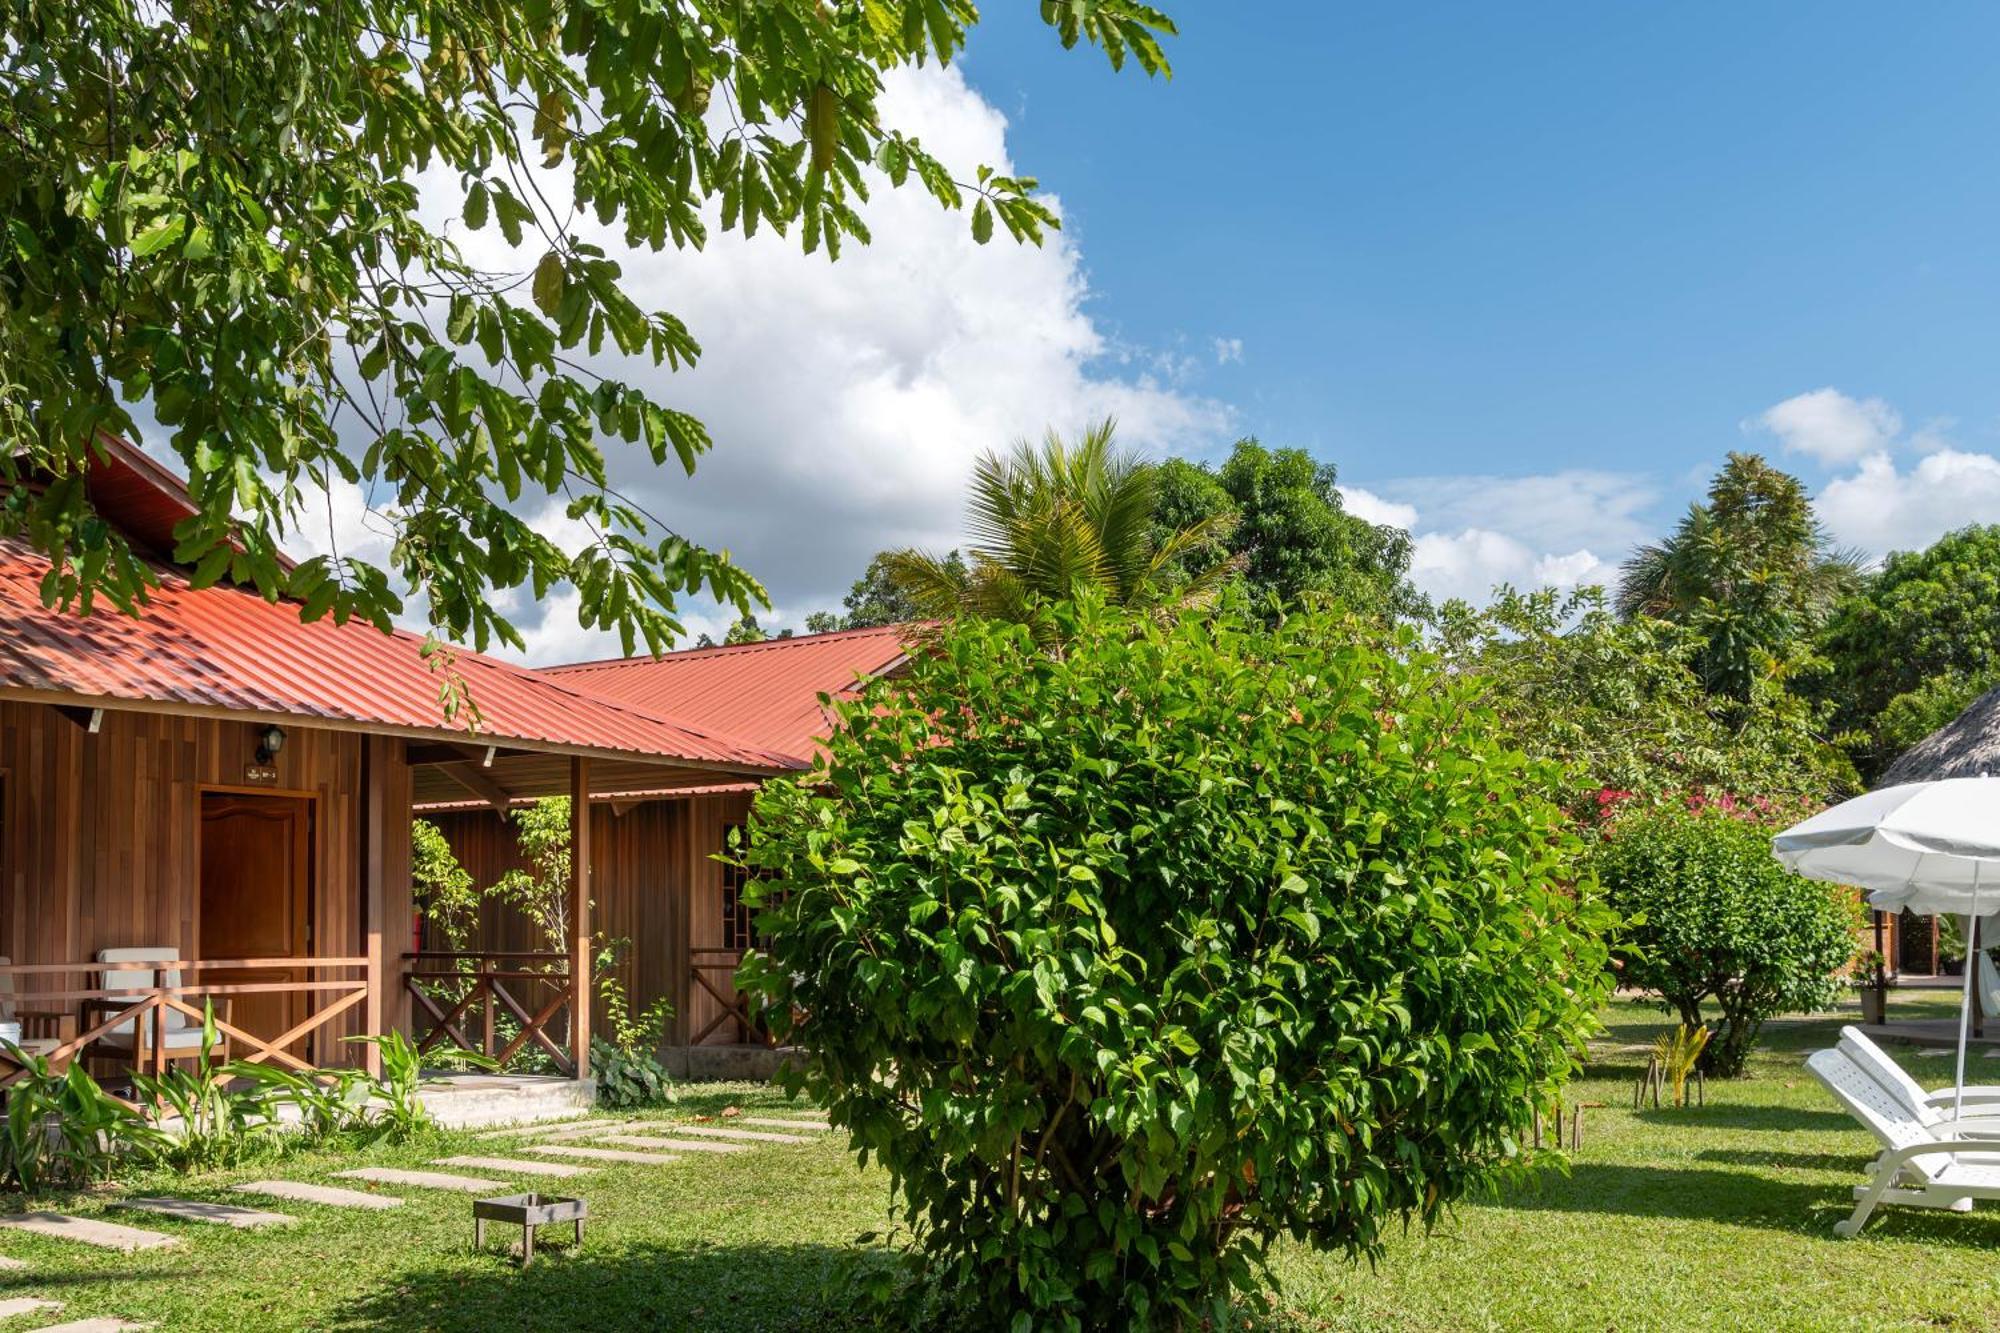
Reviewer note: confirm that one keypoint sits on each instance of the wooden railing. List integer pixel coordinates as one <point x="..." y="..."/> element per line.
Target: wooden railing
<point x="707" y="963"/>
<point x="454" y="989"/>
<point x="145" y="1009"/>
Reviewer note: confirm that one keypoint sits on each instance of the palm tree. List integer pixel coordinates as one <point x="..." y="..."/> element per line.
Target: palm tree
<point x="1751" y="570"/>
<point x="1051" y="519"/>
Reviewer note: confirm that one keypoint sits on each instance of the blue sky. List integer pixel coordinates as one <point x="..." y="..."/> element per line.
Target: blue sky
<point x="1525" y="273"/>
<point x="1538" y="236"/>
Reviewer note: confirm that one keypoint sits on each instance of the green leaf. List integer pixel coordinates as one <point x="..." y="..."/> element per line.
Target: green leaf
<point x="551" y="282"/>
<point x="158" y="234"/>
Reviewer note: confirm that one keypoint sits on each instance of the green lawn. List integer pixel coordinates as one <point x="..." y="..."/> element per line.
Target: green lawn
<point x="1694" y="1219"/>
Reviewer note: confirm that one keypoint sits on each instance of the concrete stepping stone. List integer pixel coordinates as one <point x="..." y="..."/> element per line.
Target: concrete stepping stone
<point x="8" y="1263"/>
<point x="99" y="1325"/>
<point x="90" y="1231"/>
<point x="516" y="1165"/>
<point x="15" y="1307"/>
<point x="771" y="1123"/>
<point x="330" y="1195"/>
<point x="561" y="1127"/>
<point x="602" y="1154"/>
<point x="587" y="1131"/>
<point x="222" y="1214"/>
<point x="746" y="1135"/>
<point x="430" y="1180"/>
<point x="688" y="1145"/>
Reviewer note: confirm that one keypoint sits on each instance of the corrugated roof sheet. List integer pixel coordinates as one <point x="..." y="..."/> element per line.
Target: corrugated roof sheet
<point x="227" y="650"/>
<point x="765" y="692"/>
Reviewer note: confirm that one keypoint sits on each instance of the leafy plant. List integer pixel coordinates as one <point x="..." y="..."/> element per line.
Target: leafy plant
<point x="628" y="1078"/>
<point x="626" y="1065"/>
<point x="1678" y="1052"/>
<point x="63" y="1130"/>
<point x="298" y="314"/>
<point x="219" y="1126"/>
<point x="397" y="1112"/>
<point x="445" y="891"/>
<point x="1716" y="918"/>
<point x="1128" y="947"/>
<point x="330" y="1102"/>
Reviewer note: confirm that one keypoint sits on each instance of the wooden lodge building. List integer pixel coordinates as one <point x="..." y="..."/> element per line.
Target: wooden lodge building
<point x="654" y="878"/>
<point x="209" y="804"/>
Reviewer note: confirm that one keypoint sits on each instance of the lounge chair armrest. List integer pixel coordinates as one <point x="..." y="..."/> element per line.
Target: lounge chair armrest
<point x="1986" y="1093"/>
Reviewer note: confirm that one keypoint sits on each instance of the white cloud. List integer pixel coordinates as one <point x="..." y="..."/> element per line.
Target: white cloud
<point x="1372" y="507"/>
<point x="1469" y="563"/>
<point x="848" y="400"/>
<point x="1829" y="425"/>
<point x="1881" y="508"/>
<point x="1228" y="350"/>
<point x="1552" y="511"/>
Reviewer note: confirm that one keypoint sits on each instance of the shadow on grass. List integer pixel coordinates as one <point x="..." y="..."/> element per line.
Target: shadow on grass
<point x="1738" y="1115"/>
<point x="1803" y="1161"/>
<point x="732" y="1287"/>
<point x="1740" y="1198"/>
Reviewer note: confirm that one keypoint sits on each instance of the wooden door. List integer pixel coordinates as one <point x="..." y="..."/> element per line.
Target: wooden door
<point x="256" y="900"/>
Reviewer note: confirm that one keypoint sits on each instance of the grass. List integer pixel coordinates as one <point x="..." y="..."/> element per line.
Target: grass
<point x="1709" y="1217"/>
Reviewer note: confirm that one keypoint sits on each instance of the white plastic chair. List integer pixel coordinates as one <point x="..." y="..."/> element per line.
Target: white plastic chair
<point x="1941" y="1164"/>
<point x="1929" y="1106"/>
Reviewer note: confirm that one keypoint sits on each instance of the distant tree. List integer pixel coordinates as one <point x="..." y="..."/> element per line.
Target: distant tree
<point x="1751" y="570"/>
<point x="745" y="630"/>
<point x="445" y="891"/>
<point x="1290" y="533"/>
<point x="1916" y="643"/>
<point x="876" y="600"/>
<point x="1621" y="706"/>
<point x="1050" y="519"/>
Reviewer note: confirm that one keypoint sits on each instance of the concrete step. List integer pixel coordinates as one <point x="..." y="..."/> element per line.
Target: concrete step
<point x="331" y="1196"/>
<point x="479" y="1101"/>
<point x="568" y="1132"/>
<point x="99" y="1325"/>
<point x="602" y="1154"/>
<point x="685" y="1145"/>
<point x="429" y="1180"/>
<point x="516" y="1166"/>
<point x="89" y="1231"/>
<point x="222" y="1214"/>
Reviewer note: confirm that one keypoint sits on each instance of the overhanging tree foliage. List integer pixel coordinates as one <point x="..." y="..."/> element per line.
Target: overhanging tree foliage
<point x="211" y="209"/>
<point x="1126" y="956"/>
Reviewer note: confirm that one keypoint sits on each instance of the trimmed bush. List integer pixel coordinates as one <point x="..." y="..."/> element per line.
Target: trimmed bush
<point x="1127" y="956"/>
<point x="1716" y="917"/>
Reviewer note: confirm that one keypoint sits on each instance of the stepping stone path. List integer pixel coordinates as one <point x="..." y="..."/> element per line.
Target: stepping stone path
<point x="516" y="1165"/>
<point x="331" y="1196"/>
<point x="770" y="1123"/>
<point x="92" y="1326"/>
<point x="747" y="1135"/>
<point x="687" y="1145"/>
<point x="222" y="1214"/>
<point x="90" y="1231"/>
<point x="9" y="1263"/>
<point x="430" y="1180"/>
<point x="20" y="1305"/>
<point x="603" y="1154"/>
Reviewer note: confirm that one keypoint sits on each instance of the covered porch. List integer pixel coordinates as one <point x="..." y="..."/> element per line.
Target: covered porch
<point x="207" y="808"/>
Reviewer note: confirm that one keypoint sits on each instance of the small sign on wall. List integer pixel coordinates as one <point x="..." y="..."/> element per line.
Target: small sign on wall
<point x="259" y="773"/>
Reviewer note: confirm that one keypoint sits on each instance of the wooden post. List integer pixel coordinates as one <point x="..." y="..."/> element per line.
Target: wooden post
<point x="579" y="914"/>
<point x="375" y="816"/>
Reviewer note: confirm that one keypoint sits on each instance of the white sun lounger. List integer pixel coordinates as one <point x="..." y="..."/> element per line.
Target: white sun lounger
<point x="1980" y="1098"/>
<point x="1924" y="1164"/>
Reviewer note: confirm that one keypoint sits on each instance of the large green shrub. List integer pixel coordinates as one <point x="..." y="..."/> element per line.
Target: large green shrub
<point x="1128" y="956"/>
<point x="1717" y="918"/>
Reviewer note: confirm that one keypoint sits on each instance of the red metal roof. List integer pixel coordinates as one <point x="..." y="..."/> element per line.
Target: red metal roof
<point x="223" y="650"/>
<point x="767" y="693"/>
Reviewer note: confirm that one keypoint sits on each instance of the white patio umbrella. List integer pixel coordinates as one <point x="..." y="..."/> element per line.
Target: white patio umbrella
<point x="1930" y="847"/>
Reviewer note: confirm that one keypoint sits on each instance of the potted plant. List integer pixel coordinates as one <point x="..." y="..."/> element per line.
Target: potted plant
<point x="1871" y="982"/>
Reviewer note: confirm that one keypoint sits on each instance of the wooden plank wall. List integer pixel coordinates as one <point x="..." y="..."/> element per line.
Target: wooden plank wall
<point x="99" y="833"/>
<point x="652" y="883"/>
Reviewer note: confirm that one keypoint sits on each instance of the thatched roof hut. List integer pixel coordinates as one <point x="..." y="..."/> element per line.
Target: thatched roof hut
<point x="1968" y="746"/>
